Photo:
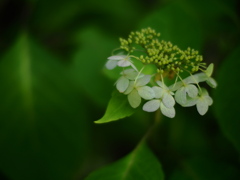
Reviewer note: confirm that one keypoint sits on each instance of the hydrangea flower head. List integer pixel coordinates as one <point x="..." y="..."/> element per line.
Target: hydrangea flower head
<point x="170" y="62"/>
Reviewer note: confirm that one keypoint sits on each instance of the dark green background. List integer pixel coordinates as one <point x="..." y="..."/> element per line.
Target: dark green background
<point x="53" y="85"/>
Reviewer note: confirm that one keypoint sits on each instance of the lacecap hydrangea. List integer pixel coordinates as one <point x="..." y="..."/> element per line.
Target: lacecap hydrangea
<point x="184" y="69"/>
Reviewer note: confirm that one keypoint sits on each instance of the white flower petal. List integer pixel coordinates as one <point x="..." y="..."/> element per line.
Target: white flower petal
<point x="131" y="74"/>
<point x="204" y="92"/>
<point x="130" y="87"/>
<point x="211" y="82"/>
<point x="146" y="92"/>
<point x="127" y="71"/>
<point x="124" y="63"/>
<point x="180" y="96"/>
<point x="162" y="85"/>
<point x="209" y="100"/>
<point x="111" y="64"/>
<point x="176" y="86"/>
<point x="169" y="112"/>
<point x="192" y="90"/>
<point x="168" y="100"/>
<point x="134" y="99"/>
<point x="151" y="106"/>
<point x="158" y="91"/>
<point x="122" y="84"/>
<point x="202" y="106"/>
<point x="196" y="78"/>
<point x="143" y="80"/>
<point x="117" y="57"/>
<point x="190" y="102"/>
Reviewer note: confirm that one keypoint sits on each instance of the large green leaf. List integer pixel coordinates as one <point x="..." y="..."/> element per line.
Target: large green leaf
<point x="227" y="98"/>
<point x="118" y="108"/>
<point x="44" y="132"/>
<point x="139" y="164"/>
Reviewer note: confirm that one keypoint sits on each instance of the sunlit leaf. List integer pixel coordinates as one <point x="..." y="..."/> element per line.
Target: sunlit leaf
<point x="140" y="164"/>
<point x="118" y="108"/>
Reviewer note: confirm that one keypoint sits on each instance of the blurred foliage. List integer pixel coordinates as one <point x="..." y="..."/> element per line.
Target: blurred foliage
<point x="53" y="86"/>
<point x="143" y="165"/>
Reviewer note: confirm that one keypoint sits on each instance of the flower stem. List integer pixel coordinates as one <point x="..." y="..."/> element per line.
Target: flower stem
<point x="157" y="121"/>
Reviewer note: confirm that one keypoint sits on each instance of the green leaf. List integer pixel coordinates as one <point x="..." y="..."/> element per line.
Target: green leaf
<point x="140" y="164"/>
<point x="118" y="108"/>
<point x="44" y="126"/>
<point x="226" y="97"/>
<point x="50" y="16"/>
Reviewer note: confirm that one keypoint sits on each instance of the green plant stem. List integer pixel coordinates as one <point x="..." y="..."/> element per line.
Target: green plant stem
<point x="157" y="121"/>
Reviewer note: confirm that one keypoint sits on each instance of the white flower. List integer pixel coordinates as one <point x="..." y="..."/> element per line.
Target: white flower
<point x="123" y="82"/>
<point x="202" y="102"/>
<point x="163" y="100"/>
<point x="165" y="93"/>
<point x="186" y="88"/>
<point x="119" y="60"/>
<point x="137" y="90"/>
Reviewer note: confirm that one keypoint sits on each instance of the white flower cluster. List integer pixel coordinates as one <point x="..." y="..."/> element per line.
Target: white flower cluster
<point x="185" y="92"/>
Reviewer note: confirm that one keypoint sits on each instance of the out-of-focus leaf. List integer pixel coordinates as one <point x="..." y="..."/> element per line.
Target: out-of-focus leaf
<point x="227" y="98"/>
<point x="89" y="61"/>
<point x="118" y="108"/>
<point x="203" y="168"/>
<point x="177" y="23"/>
<point x="44" y="132"/>
<point x="187" y="134"/>
<point x="50" y="16"/>
<point x="55" y="15"/>
<point x="139" y="164"/>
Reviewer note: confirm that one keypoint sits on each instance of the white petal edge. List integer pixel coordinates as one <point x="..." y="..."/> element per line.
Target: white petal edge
<point x="111" y="64"/>
<point x="209" y="100"/>
<point x="168" y="100"/>
<point x="190" y="102"/>
<point x="158" y="91"/>
<point x="143" y="80"/>
<point x="134" y="99"/>
<point x="124" y="63"/>
<point x="151" y="106"/>
<point x="169" y="112"/>
<point x="162" y="85"/>
<point x="146" y="92"/>
<point x="202" y="106"/>
<point x="122" y="84"/>
<point x="180" y="96"/>
<point x="130" y="74"/>
<point x="211" y="82"/>
<point x="130" y="87"/>
<point x="192" y="90"/>
<point x="117" y="57"/>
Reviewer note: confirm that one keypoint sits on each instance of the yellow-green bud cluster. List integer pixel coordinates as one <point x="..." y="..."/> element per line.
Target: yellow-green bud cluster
<point x="166" y="56"/>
